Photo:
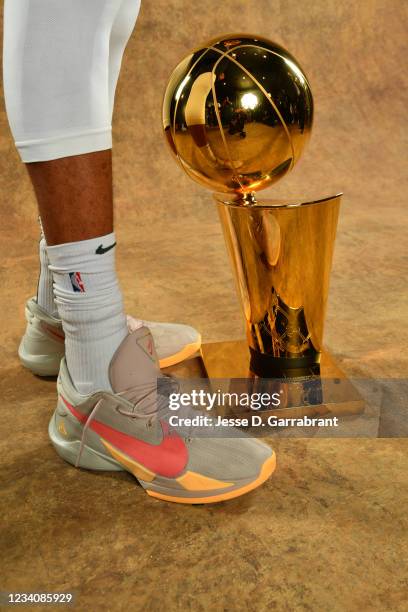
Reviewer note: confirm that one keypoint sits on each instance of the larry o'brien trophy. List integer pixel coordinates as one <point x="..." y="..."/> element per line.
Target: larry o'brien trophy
<point x="237" y="113"/>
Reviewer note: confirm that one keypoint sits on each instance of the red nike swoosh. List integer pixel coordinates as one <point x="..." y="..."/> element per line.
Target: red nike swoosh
<point x="57" y="335"/>
<point x="169" y="458"/>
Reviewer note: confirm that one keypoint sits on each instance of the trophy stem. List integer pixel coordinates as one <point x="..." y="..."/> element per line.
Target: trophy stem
<point x="248" y="199"/>
<point x="281" y="254"/>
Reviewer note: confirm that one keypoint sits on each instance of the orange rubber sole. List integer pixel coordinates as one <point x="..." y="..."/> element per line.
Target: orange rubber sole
<point x="187" y="352"/>
<point x="267" y="469"/>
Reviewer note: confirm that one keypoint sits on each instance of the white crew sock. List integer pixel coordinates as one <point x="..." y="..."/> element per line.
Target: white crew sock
<point x="90" y="305"/>
<point x="45" y="294"/>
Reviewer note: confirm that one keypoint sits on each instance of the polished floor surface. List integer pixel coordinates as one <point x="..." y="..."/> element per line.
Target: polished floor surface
<point x="328" y="531"/>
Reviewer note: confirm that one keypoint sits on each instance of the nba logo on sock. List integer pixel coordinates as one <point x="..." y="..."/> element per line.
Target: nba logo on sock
<point x="77" y="282"/>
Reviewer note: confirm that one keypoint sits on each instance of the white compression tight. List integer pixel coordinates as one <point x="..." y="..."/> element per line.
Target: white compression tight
<point x="61" y="65"/>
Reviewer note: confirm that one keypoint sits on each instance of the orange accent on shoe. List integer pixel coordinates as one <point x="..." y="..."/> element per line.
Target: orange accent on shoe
<point x="186" y="352"/>
<point x="61" y="428"/>
<point x="135" y="468"/>
<point x="191" y="481"/>
<point x="266" y="470"/>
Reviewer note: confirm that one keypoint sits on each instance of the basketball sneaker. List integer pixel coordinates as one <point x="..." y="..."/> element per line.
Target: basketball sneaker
<point x="42" y="346"/>
<point x="127" y="430"/>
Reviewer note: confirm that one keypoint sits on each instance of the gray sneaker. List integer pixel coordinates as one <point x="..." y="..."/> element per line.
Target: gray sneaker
<point x="42" y="346"/>
<point x="127" y="430"/>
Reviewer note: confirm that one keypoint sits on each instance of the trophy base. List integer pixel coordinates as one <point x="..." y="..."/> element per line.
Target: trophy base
<point x="315" y="393"/>
<point x="267" y="366"/>
<point x="234" y="359"/>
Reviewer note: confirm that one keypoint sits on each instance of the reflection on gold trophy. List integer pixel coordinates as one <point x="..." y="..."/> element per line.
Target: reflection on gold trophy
<point x="237" y="113"/>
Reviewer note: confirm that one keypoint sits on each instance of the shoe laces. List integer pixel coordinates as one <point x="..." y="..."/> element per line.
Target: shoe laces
<point x="152" y="396"/>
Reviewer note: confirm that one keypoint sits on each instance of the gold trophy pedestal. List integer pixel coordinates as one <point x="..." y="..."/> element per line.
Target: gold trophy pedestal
<point x="281" y="255"/>
<point x="219" y="362"/>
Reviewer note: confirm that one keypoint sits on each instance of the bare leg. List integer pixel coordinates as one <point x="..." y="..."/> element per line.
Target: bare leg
<point x="74" y="196"/>
<point x="61" y="64"/>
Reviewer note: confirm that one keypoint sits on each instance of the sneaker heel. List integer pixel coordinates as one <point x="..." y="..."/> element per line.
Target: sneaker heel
<point x="69" y="451"/>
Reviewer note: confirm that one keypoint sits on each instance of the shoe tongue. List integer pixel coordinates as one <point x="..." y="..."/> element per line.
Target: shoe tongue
<point x="135" y="362"/>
